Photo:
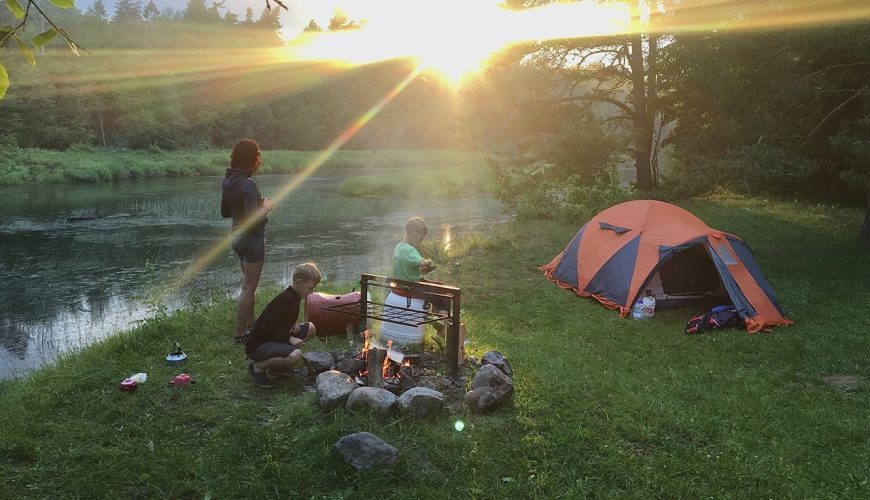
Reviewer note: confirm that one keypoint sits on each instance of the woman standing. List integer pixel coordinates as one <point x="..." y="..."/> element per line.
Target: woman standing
<point x="242" y="201"/>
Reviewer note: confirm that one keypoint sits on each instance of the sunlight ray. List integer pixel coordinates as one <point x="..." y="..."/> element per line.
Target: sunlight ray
<point x="201" y="262"/>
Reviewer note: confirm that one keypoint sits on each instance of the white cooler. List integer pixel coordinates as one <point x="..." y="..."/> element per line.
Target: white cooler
<point x="402" y="334"/>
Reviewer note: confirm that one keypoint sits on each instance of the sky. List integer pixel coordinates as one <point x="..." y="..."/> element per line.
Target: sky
<point x="293" y="20"/>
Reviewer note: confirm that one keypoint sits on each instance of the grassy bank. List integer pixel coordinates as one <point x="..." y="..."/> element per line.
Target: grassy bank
<point x="31" y="166"/>
<point x="604" y="407"/>
<point x="445" y="182"/>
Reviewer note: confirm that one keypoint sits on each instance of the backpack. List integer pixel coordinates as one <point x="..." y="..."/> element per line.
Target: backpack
<point x="718" y="317"/>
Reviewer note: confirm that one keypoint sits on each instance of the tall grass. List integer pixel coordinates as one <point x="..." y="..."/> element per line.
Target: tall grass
<point x="447" y="182"/>
<point x="23" y="166"/>
<point x="603" y="406"/>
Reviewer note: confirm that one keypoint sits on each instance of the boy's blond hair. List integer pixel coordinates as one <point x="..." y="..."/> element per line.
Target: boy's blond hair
<point x="307" y="272"/>
<point x="416" y="225"/>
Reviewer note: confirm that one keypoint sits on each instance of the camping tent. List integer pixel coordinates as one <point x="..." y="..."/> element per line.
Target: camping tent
<point x="647" y="247"/>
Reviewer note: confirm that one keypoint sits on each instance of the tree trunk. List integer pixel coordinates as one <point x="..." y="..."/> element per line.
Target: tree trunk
<point x="102" y="131"/>
<point x="653" y="97"/>
<point x="864" y="235"/>
<point x="642" y="129"/>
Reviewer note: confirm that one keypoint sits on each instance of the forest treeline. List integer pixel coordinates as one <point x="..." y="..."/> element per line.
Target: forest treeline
<point x="202" y="77"/>
<point x="753" y="104"/>
<point x="769" y="98"/>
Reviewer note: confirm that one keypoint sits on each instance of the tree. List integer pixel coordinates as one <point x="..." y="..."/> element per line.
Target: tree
<point x="15" y="32"/>
<point x="733" y="97"/>
<point x="341" y="22"/>
<point x="127" y="11"/>
<point x="597" y="81"/>
<point x="196" y="11"/>
<point x="150" y="12"/>
<point x="269" y="23"/>
<point x="214" y="12"/>
<point x="98" y="10"/>
<point x="312" y="27"/>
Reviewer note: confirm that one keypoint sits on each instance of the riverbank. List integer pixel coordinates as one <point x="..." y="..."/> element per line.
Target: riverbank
<point x="33" y="166"/>
<point x="603" y="406"/>
<point x="441" y="183"/>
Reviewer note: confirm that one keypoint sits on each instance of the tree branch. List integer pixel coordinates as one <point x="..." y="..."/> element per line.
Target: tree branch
<point x="834" y="112"/>
<point x="836" y="66"/>
<point x="824" y="121"/>
<point x="600" y="98"/>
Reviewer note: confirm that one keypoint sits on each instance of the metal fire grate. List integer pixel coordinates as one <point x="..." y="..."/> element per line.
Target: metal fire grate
<point x="390" y="314"/>
<point x="366" y="308"/>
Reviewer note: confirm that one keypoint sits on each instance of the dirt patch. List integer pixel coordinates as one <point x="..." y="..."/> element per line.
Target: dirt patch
<point x="842" y="382"/>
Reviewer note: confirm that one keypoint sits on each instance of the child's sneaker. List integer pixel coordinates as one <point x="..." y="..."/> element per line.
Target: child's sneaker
<point x="260" y="379"/>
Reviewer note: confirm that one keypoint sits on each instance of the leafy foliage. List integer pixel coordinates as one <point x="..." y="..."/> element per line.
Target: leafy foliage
<point x="771" y="112"/>
<point x="540" y="190"/>
<point x="155" y="95"/>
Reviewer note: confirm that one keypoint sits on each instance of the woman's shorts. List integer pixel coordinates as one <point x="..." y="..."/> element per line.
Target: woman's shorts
<point x="250" y="249"/>
<point x="271" y="350"/>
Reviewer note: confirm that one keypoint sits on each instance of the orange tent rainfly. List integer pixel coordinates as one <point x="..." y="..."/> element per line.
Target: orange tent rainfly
<point x="651" y="248"/>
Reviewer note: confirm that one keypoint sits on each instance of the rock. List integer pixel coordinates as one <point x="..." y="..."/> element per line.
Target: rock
<point x="372" y="399"/>
<point x="483" y="399"/>
<point x="352" y="366"/>
<point x="364" y="450"/>
<point x="340" y="355"/>
<point x="421" y="402"/>
<point x="406" y="384"/>
<point x="427" y="382"/>
<point x="489" y="389"/>
<point x="496" y="359"/>
<point x="333" y="388"/>
<point x="319" y="361"/>
<point x="492" y="377"/>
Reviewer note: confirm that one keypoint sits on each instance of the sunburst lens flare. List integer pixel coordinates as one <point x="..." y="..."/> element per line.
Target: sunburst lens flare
<point x="284" y="191"/>
<point x="452" y="38"/>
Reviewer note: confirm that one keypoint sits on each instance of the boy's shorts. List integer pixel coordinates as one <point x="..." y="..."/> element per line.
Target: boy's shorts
<point x="271" y="350"/>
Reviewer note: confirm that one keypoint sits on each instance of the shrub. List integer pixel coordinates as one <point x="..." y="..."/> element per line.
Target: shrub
<point x="753" y="169"/>
<point x="536" y="191"/>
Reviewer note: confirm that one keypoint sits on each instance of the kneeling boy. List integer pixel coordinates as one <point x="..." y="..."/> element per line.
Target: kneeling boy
<point x="274" y="341"/>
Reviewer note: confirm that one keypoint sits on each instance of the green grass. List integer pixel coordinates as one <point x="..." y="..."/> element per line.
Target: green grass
<point x="32" y="166"/>
<point x="448" y="182"/>
<point x="604" y="406"/>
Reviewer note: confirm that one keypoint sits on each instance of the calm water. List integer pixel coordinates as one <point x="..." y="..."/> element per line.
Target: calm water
<point x="77" y="260"/>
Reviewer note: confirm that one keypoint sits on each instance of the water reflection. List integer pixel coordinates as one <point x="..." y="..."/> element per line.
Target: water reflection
<point x="75" y="260"/>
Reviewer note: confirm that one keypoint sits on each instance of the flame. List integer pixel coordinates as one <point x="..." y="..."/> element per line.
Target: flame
<point x="386" y="368"/>
<point x="365" y="350"/>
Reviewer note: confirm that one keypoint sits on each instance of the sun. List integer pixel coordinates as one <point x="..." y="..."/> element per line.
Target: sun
<point x="452" y="38"/>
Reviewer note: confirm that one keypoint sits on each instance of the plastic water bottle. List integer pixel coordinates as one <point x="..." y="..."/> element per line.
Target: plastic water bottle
<point x="637" y="310"/>
<point x="649" y="306"/>
<point x="644" y="308"/>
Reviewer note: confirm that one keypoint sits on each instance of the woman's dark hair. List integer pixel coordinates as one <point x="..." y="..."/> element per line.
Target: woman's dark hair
<point x="245" y="156"/>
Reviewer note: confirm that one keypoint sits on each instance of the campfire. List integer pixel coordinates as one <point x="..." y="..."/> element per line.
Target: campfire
<point x="387" y="368"/>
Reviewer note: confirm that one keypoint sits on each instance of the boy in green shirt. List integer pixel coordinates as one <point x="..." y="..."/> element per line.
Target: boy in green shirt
<point x="408" y="264"/>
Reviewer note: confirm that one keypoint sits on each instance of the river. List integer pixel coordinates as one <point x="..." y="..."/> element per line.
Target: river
<point x="77" y="262"/>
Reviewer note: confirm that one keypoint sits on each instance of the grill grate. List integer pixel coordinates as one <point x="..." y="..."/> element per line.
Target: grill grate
<point x="391" y="314"/>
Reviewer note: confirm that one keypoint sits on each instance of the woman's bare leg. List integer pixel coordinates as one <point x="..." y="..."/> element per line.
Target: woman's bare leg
<point x="245" y="306"/>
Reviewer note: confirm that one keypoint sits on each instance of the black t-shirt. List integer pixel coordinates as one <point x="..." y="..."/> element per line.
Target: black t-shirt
<point x="275" y="322"/>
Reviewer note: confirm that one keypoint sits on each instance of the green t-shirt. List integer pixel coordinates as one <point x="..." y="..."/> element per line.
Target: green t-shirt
<point x="406" y="262"/>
